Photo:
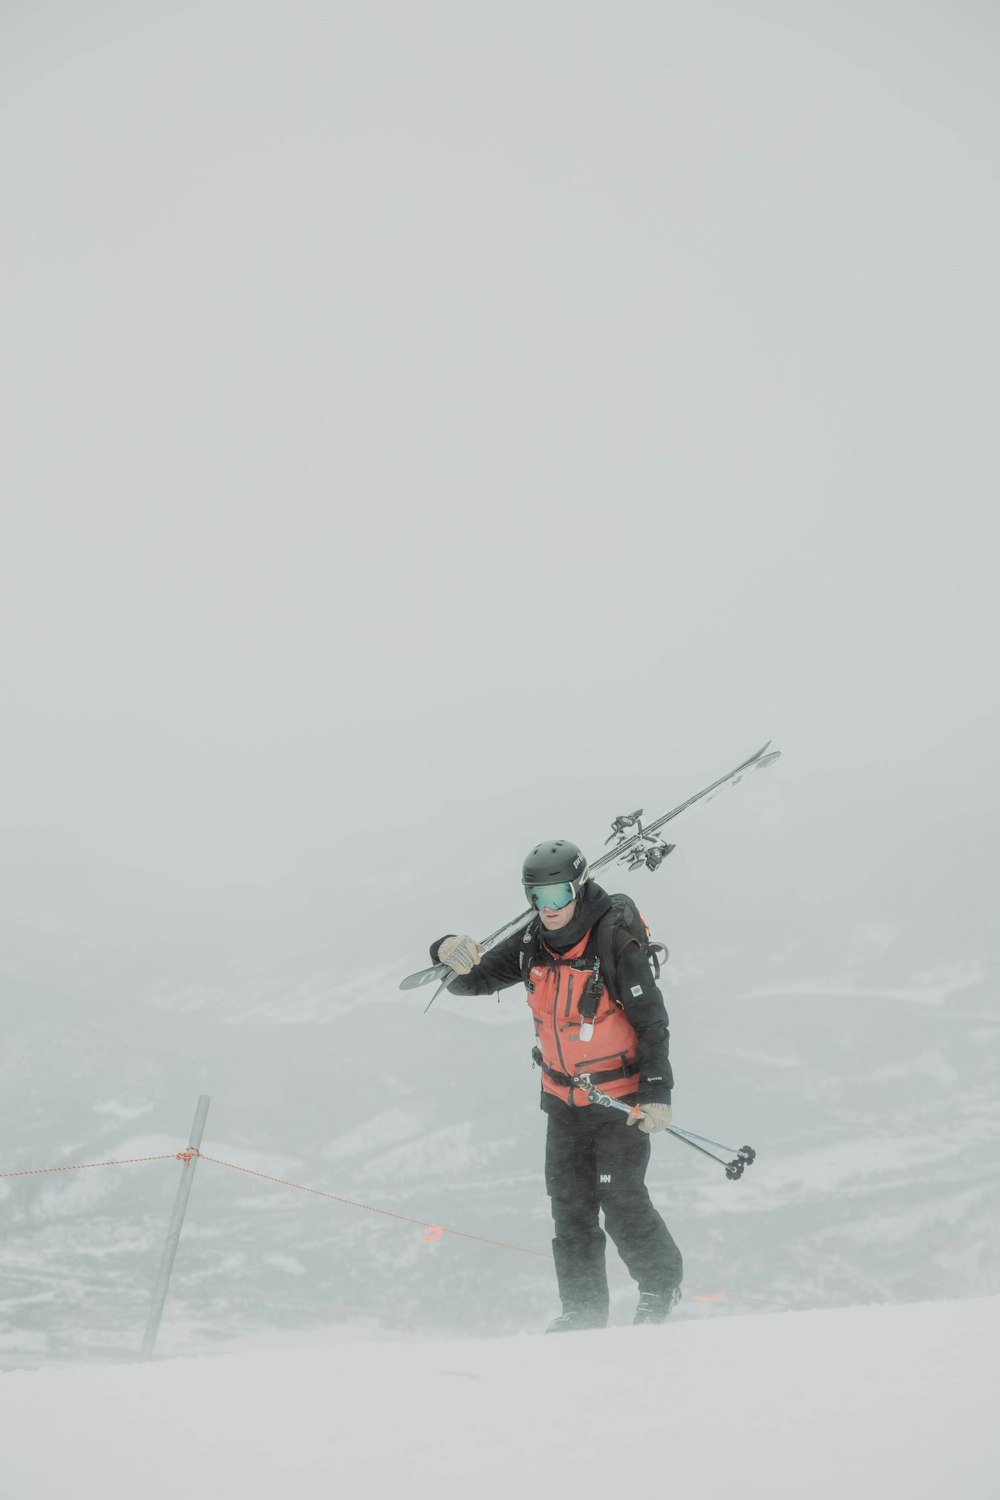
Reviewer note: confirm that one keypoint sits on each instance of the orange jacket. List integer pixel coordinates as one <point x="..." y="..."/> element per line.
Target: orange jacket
<point x="566" y="1045"/>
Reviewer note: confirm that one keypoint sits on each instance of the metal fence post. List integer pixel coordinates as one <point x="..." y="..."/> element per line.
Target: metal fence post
<point x="174" y="1232"/>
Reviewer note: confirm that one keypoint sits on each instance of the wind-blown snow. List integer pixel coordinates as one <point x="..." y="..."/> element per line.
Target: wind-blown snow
<point x="858" y="1402"/>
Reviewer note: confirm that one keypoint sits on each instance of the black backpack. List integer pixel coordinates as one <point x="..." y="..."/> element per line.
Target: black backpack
<point x="623" y="925"/>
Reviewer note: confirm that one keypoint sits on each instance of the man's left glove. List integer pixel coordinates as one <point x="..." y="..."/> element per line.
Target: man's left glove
<point x="460" y="953"/>
<point x="650" y="1117"/>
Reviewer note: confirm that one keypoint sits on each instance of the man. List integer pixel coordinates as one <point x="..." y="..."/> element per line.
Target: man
<point x="594" y="1161"/>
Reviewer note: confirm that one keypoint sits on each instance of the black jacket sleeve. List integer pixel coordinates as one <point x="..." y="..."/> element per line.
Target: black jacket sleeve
<point x="498" y="970"/>
<point x="643" y="1005"/>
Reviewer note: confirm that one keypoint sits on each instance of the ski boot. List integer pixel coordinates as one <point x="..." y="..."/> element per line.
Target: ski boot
<point x="576" y="1319"/>
<point x="656" y="1307"/>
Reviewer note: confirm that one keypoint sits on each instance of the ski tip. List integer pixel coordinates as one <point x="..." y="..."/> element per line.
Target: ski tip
<point x="422" y="977"/>
<point x="442" y="986"/>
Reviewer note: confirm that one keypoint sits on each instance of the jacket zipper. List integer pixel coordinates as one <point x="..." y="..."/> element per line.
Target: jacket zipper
<point x="555" y="1030"/>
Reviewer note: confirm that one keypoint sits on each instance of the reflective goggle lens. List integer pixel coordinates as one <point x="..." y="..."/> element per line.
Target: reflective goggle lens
<point x="553" y="896"/>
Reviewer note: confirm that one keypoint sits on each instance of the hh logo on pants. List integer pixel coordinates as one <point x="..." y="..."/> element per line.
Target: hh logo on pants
<point x="605" y="1177"/>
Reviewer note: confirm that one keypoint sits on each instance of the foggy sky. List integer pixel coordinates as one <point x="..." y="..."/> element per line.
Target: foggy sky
<point x="430" y="428"/>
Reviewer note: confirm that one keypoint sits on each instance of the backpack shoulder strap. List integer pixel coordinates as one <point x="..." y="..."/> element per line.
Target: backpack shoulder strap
<point x="613" y="937"/>
<point x="531" y="948"/>
<point x="617" y="930"/>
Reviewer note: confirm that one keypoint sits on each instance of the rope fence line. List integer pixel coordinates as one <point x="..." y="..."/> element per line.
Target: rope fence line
<point x="435" y="1231"/>
<point x="389" y="1213"/>
<point x="82" y="1166"/>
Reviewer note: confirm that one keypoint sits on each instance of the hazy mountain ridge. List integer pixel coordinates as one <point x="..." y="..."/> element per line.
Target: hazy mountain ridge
<point x="870" y="1099"/>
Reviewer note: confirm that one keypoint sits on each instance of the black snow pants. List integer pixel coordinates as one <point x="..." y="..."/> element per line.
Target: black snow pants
<point x="595" y="1162"/>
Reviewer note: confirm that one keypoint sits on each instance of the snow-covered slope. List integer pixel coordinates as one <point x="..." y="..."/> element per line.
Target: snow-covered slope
<point x="860" y="1402"/>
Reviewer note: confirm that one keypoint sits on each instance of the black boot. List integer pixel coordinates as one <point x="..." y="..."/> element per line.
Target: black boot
<point x="656" y="1307"/>
<point x="583" y="1283"/>
<point x="576" y="1319"/>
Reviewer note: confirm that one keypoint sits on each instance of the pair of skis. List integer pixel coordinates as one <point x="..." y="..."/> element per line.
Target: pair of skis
<point x="633" y="850"/>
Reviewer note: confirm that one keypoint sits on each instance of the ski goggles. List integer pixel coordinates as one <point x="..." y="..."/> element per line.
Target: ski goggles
<point x="555" y="897"/>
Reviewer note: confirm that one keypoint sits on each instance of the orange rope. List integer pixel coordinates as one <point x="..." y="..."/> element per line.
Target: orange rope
<point x="439" y="1229"/>
<point x="79" y="1166"/>
<point x="388" y="1212"/>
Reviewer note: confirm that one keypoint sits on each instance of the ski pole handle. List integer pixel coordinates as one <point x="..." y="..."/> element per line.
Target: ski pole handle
<point x="583" y="1082"/>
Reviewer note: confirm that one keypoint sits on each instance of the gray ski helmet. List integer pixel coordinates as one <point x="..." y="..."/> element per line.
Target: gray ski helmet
<point x="554" y="861"/>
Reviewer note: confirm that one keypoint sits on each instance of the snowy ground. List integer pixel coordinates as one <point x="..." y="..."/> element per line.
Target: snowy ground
<point x="862" y="1402"/>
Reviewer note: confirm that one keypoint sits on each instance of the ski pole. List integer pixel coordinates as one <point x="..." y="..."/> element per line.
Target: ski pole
<point x="734" y="1169"/>
<point x="708" y="1141"/>
<point x="745" y="1156"/>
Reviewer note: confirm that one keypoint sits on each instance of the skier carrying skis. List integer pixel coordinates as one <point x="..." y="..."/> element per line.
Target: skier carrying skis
<point x="597" y="1011"/>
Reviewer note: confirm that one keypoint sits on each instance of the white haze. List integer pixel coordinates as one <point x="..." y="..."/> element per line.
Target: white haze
<point x="431" y="428"/>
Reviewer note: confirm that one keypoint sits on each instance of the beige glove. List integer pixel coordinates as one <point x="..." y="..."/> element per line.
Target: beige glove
<point x="460" y="953"/>
<point x="650" y="1117"/>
